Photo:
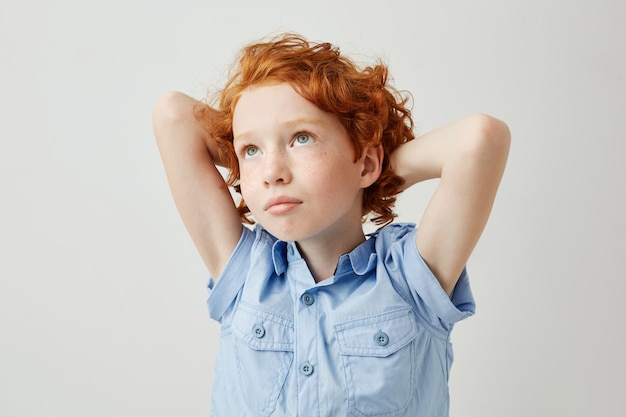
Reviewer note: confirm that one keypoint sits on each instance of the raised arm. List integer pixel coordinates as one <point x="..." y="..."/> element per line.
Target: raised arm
<point x="203" y="200"/>
<point x="469" y="157"/>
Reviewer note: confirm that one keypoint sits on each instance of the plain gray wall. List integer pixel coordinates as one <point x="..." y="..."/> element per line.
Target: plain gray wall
<point x="102" y="292"/>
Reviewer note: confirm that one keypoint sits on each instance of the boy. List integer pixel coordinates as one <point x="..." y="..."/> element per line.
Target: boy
<point x="316" y="318"/>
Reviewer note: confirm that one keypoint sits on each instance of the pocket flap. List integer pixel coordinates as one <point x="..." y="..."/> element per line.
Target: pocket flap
<point x="377" y="335"/>
<point x="262" y="330"/>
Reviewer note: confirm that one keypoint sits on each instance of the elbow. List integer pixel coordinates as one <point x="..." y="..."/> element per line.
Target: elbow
<point x="167" y="108"/>
<point x="489" y="138"/>
<point x="171" y="109"/>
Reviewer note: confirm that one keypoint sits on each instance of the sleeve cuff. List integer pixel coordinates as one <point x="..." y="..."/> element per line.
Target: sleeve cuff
<point x="449" y="309"/>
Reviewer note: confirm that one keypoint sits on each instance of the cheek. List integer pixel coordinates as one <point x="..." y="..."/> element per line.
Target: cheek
<point x="333" y="177"/>
<point x="246" y="184"/>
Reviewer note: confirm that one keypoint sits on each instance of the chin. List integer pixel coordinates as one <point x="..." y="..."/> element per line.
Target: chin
<point x="284" y="236"/>
<point x="285" y="233"/>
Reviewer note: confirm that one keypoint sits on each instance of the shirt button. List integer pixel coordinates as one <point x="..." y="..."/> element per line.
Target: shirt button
<point x="258" y="331"/>
<point x="381" y="338"/>
<point x="308" y="299"/>
<point x="306" y="368"/>
<point x="289" y="250"/>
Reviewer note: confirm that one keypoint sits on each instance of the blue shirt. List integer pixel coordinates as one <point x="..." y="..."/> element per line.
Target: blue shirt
<point x="373" y="340"/>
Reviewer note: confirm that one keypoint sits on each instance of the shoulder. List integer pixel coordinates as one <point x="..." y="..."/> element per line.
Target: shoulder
<point x="395" y="230"/>
<point x="252" y="253"/>
<point x="394" y="234"/>
<point x="263" y="240"/>
<point x="400" y="260"/>
<point x="255" y="246"/>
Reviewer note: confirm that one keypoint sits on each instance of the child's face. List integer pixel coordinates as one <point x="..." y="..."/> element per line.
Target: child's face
<point x="297" y="170"/>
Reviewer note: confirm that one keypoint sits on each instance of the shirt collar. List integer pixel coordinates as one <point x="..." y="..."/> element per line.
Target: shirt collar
<point x="279" y="256"/>
<point x="360" y="260"/>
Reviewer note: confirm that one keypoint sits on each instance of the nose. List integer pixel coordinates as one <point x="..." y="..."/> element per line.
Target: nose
<point x="276" y="168"/>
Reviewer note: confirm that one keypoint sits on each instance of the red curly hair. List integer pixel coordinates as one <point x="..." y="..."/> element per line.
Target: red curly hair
<point x="371" y="111"/>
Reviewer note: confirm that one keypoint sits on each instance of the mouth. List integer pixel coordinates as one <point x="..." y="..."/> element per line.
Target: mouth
<point x="280" y="205"/>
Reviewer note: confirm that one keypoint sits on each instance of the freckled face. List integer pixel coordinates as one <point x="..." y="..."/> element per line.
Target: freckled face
<point x="297" y="170"/>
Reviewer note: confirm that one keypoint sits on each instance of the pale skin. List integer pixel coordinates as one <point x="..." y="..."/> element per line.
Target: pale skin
<point x="300" y="180"/>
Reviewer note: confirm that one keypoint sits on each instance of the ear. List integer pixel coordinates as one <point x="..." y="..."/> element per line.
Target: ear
<point x="372" y="163"/>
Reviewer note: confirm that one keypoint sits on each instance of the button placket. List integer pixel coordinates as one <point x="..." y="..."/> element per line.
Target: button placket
<point x="305" y="299"/>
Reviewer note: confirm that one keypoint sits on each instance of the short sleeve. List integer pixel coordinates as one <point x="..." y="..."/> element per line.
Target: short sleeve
<point x="406" y="266"/>
<point x="223" y="292"/>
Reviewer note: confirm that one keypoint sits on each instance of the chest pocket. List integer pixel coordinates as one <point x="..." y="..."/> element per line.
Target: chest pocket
<point x="379" y="362"/>
<point x="263" y="345"/>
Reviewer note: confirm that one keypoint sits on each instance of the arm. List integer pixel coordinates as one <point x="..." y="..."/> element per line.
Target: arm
<point x="469" y="157"/>
<point x="203" y="200"/>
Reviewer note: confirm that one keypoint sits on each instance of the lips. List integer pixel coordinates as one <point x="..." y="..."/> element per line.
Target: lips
<point x="281" y="203"/>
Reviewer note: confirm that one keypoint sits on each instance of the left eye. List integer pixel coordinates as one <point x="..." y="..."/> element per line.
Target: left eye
<point x="302" y="139"/>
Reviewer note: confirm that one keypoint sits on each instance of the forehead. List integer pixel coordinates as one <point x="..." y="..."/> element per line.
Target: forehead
<point x="260" y="107"/>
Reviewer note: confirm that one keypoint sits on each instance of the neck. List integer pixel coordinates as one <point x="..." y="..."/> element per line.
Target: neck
<point x="322" y="254"/>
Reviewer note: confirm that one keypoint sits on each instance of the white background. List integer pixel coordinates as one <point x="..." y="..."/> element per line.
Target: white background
<point x="102" y="293"/>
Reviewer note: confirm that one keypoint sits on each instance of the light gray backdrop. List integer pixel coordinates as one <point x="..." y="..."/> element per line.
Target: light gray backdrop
<point x="102" y="293"/>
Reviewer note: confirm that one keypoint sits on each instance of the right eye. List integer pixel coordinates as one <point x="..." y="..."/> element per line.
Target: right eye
<point x="250" y="151"/>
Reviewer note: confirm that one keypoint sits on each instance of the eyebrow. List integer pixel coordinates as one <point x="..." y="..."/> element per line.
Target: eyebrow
<point x="302" y="121"/>
<point x="289" y="124"/>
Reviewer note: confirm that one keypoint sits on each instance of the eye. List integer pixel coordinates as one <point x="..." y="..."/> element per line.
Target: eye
<point x="250" y="151"/>
<point x="302" y="139"/>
